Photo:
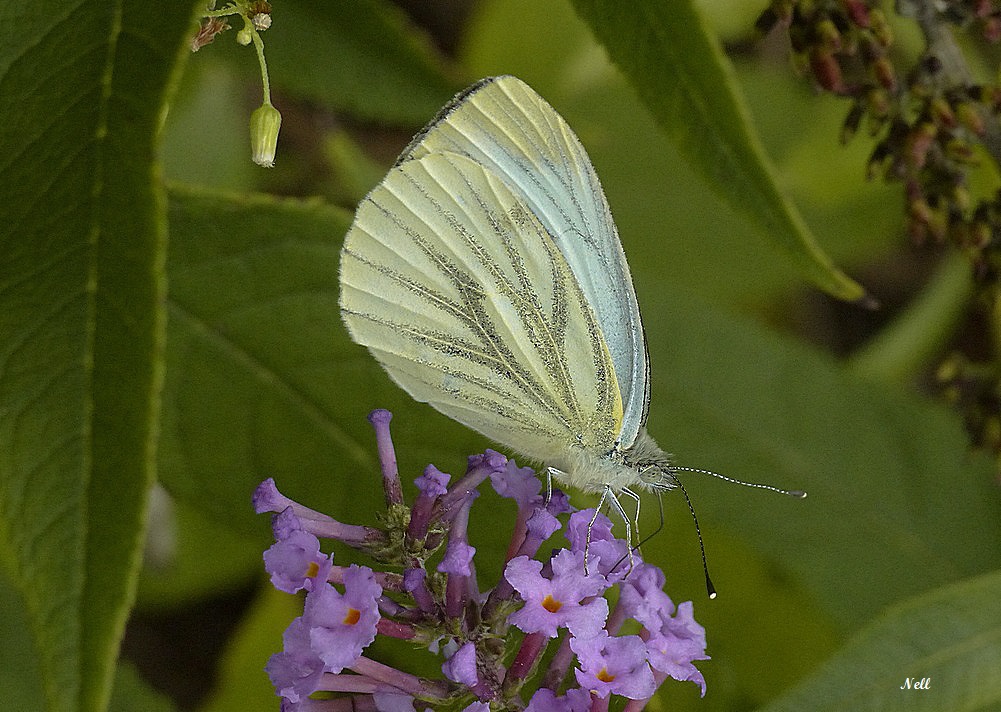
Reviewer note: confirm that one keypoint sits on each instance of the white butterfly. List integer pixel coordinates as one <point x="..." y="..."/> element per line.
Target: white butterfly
<point x="486" y="275"/>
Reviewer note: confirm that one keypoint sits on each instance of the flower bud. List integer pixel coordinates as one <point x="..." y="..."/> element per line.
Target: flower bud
<point x="992" y="29"/>
<point x="941" y="112"/>
<point x="980" y="235"/>
<point x="920" y="211"/>
<point x="885" y="74"/>
<point x="829" y="36"/>
<point x="857" y="12"/>
<point x="970" y="118"/>
<point x="880" y="27"/>
<point x="878" y="102"/>
<point x="961" y="199"/>
<point x="244" y="37"/>
<point x="919" y="142"/>
<point x="264" y="125"/>
<point x="827" y="71"/>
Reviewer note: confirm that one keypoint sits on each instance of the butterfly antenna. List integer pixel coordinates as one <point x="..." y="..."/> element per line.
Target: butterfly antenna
<point x="660" y="526"/>
<point x="710" y="589"/>
<point x="799" y="494"/>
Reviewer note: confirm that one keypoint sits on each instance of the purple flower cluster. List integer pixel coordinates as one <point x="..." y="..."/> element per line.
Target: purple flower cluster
<point x="491" y="641"/>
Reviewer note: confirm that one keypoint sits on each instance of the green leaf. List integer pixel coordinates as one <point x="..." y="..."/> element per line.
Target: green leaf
<point x="82" y="91"/>
<point x="679" y="71"/>
<point x="895" y="498"/>
<point x="950" y="637"/>
<point x="21" y="682"/>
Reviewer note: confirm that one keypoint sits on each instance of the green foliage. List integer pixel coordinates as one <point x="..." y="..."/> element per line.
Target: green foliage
<point x="950" y="637"/>
<point x="190" y="333"/>
<point x="677" y="68"/>
<point x="82" y="243"/>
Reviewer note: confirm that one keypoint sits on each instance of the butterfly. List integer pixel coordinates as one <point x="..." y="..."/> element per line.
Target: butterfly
<point x="486" y="275"/>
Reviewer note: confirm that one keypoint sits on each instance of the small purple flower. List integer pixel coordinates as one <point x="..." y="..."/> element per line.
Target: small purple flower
<point x="461" y="667"/>
<point x="489" y="461"/>
<point x="642" y="595"/>
<point x="295" y="561"/>
<point x="677" y="642"/>
<point x="614" y="665"/>
<point x="342" y="625"/>
<point x="458" y="556"/>
<point x="605" y="552"/>
<point x="296" y="671"/>
<point x="458" y="553"/>
<point x="576" y="699"/>
<point x="476" y="707"/>
<point x="519" y="484"/>
<point x="542" y="524"/>
<point x="267" y="498"/>
<point x="557" y="602"/>
<point x="415" y="583"/>
<point x="538" y="527"/>
<point x="433" y="483"/>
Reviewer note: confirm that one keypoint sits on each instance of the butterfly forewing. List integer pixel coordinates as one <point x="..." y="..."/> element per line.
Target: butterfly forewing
<point x="504" y="125"/>
<point x="460" y="292"/>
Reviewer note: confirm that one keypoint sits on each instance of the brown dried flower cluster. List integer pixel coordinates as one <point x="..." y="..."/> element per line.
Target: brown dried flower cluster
<point x="934" y="128"/>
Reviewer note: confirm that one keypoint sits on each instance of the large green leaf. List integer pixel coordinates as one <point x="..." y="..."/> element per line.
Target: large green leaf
<point x="82" y="91"/>
<point x="949" y="639"/>
<point x="679" y="71"/>
<point x="896" y="505"/>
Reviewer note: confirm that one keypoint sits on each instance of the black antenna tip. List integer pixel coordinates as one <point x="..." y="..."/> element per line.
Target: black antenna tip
<point x="710" y="589"/>
<point x="798" y="494"/>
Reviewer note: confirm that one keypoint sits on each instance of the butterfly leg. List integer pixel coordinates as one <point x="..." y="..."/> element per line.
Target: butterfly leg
<point x="613" y="503"/>
<point x="597" y="510"/>
<point x="636" y="515"/>
<point x="550" y="472"/>
<point x="617" y="506"/>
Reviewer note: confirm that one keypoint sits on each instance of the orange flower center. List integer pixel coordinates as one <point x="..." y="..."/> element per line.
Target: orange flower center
<point x="551" y="604"/>
<point x="312" y="570"/>
<point x="605" y="676"/>
<point x="352" y="616"/>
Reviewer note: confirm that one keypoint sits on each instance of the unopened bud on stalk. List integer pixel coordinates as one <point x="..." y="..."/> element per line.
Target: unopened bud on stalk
<point x="264" y="125"/>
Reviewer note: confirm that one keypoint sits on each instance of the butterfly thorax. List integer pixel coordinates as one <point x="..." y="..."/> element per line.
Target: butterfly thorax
<point x="642" y="466"/>
<point x="652" y="464"/>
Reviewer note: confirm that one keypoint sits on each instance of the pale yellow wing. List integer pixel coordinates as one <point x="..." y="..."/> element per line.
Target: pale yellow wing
<point x="504" y="125"/>
<point x="456" y="288"/>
